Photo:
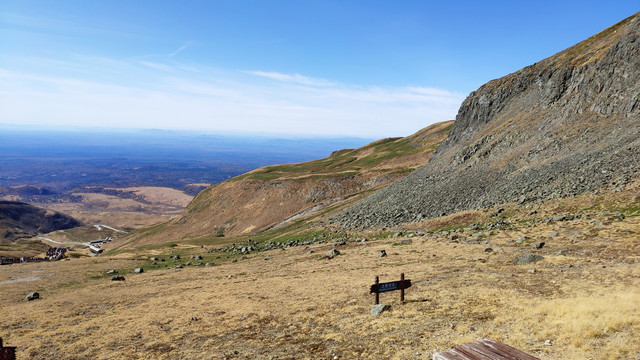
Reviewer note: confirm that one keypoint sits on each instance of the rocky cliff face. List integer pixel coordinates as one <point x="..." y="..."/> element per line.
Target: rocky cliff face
<point x="563" y="126"/>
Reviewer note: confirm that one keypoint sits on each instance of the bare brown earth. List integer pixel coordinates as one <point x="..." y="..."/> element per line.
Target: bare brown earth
<point x="131" y="208"/>
<point x="582" y="300"/>
<point x="263" y="198"/>
<point x="124" y="208"/>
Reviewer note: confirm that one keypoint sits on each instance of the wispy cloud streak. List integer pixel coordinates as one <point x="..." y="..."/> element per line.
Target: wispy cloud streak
<point x="148" y="94"/>
<point x="187" y="45"/>
<point x="295" y="78"/>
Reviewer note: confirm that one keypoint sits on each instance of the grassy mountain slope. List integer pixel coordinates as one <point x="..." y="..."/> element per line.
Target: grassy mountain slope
<point x="579" y="302"/>
<point x="19" y="220"/>
<point x="267" y="197"/>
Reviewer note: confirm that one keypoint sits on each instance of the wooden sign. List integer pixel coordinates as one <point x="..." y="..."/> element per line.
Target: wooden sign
<point x="378" y="287"/>
<point x="7" y="352"/>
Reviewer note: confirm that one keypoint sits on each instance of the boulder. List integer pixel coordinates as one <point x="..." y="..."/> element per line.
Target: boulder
<point x="117" y="278"/>
<point x="378" y="309"/>
<point x="33" y="296"/>
<point x="382" y="253"/>
<point x="332" y="253"/>
<point x="138" y="270"/>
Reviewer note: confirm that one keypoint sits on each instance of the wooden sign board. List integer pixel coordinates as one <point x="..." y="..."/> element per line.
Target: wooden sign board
<point x="378" y="287"/>
<point x="390" y="286"/>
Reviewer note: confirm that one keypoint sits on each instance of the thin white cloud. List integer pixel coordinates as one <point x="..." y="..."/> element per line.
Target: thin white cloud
<point x="146" y="95"/>
<point x="156" y="66"/>
<point x="295" y="78"/>
<point x="187" y="45"/>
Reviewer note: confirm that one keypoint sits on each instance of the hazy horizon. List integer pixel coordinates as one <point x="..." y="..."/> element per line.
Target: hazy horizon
<point x="321" y="68"/>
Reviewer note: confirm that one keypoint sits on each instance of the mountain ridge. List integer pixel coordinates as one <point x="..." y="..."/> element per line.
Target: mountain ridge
<point x="563" y="126"/>
<point x="271" y="197"/>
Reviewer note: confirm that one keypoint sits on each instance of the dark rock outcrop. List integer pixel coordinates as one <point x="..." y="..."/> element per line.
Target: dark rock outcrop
<point x="563" y="126"/>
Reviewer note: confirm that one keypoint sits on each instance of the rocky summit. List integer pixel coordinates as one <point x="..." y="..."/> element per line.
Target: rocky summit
<point x="560" y="127"/>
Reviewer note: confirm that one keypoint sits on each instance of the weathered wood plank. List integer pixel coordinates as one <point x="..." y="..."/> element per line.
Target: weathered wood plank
<point x="490" y="346"/>
<point x="470" y="354"/>
<point x="459" y="353"/>
<point x="449" y="355"/>
<point x="485" y="349"/>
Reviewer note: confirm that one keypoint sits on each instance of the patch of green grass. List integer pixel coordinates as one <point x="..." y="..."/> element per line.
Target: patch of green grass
<point x="339" y="162"/>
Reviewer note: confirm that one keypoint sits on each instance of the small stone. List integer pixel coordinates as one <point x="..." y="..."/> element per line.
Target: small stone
<point x="527" y="259"/>
<point x="548" y="343"/>
<point x="112" y="272"/>
<point x="138" y="270"/>
<point x="382" y="253"/>
<point x="117" y="278"/>
<point x="488" y="250"/>
<point x="332" y="253"/>
<point x="561" y="252"/>
<point x="531" y="271"/>
<point x="553" y="234"/>
<point x="208" y="264"/>
<point x="378" y="309"/>
<point x="193" y="318"/>
<point x="539" y="245"/>
<point x="33" y="296"/>
<point x="310" y="252"/>
<point x="521" y="240"/>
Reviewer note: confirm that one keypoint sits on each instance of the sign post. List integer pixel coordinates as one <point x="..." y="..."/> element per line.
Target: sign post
<point x="378" y="287"/>
<point x="7" y="352"/>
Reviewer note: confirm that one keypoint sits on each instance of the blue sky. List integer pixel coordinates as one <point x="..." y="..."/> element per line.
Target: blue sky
<point x="356" y="68"/>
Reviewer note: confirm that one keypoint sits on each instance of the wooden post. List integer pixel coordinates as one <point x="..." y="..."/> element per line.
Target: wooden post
<point x="402" y="287"/>
<point x="377" y="293"/>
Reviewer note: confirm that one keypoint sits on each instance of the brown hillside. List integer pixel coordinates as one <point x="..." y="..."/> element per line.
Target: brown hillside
<point x="268" y="196"/>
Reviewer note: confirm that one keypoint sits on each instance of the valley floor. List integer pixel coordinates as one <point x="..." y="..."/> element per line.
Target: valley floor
<point x="581" y="302"/>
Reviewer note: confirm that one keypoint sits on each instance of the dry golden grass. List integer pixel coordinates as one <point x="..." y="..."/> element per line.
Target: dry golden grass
<point x="161" y="195"/>
<point x="297" y="305"/>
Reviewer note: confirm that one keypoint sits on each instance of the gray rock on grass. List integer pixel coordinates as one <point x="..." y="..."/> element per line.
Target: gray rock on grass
<point x="378" y="309"/>
<point x="528" y="259"/>
<point x="332" y="253"/>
